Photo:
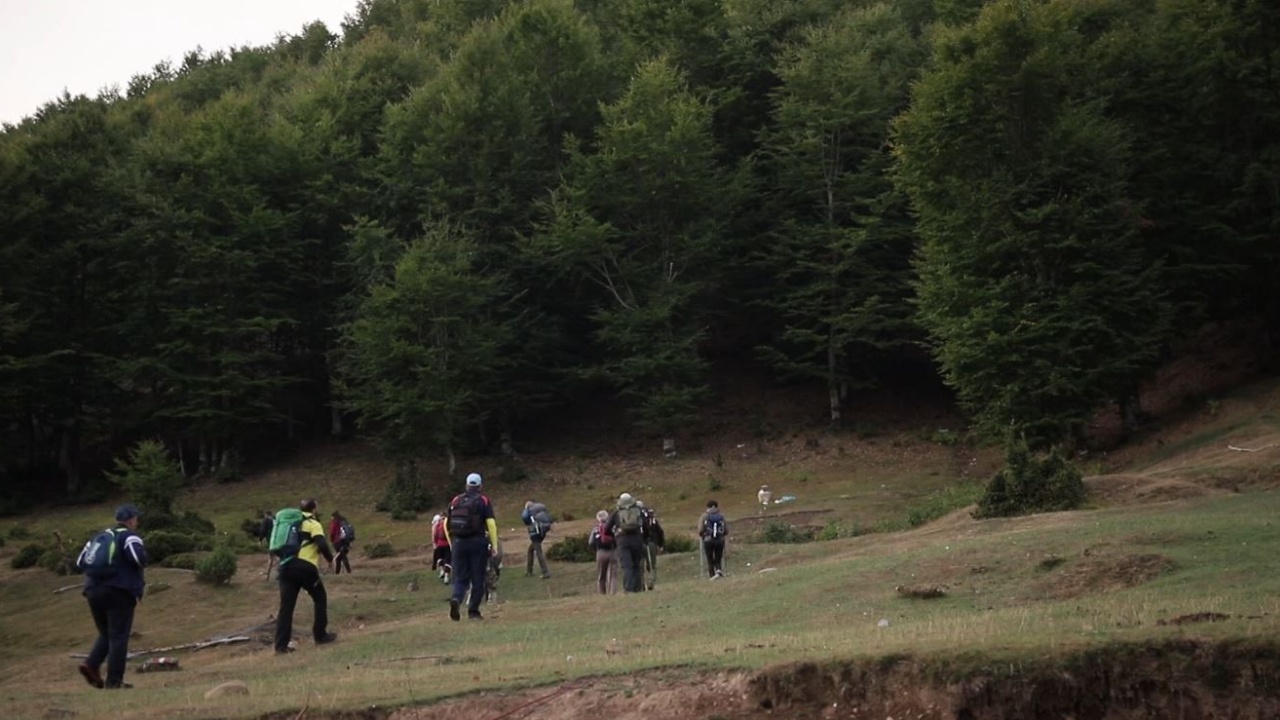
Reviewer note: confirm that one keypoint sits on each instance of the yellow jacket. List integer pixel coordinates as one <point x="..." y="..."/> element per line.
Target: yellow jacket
<point x="311" y="551"/>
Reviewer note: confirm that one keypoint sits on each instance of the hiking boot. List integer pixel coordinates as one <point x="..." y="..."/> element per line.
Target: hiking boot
<point x="118" y="686"/>
<point x="453" y="610"/>
<point x="284" y="650"/>
<point x="326" y="638"/>
<point x="546" y="576"/>
<point x="474" y="615"/>
<point x="91" y="675"/>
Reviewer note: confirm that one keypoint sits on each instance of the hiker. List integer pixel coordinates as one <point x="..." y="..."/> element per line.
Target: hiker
<point x="300" y="570"/>
<point x="538" y="520"/>
<point x="763" y="496"/>
<point x="341" y="535"/>
<point x="713" y="529"/>
<point x="601" y="540"/>
<point x="655" y="539"/>
<point x="441" y="557"/>
<point x="626" y="524"/>
<point x="264" y="535"/>
<point x="473" y="534"/>
<point x="113" y="563"/>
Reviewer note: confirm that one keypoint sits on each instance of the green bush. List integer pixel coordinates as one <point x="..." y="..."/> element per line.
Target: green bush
<point x="59" y="561"/>
<point x="937" y="504"/>
<point x="779" y="532"/>
<point x="405" y="496"/>
<point x="163" y="543"/>
<point x="182" y="561"/>
<point x="187" y="523"/>
<point x="19" y="532"/>
<point x="379" y="550"/>
<point x="679" y="544"/>
<point x="512" y="472"/>
<point x="217" y="568"/>
<point x="1030" y="483"/>
<point x="28" y="556"/>
<point x="573" y="548"/>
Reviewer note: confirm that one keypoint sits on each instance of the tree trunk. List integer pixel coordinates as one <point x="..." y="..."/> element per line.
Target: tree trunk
<point x="453" y="462"/>
<point x="508" y="445"/>
<point x="833" y="385"/>
<point x="669" y="446"/>
<point x="335" y="422"/>
<point x="69" y="457"/>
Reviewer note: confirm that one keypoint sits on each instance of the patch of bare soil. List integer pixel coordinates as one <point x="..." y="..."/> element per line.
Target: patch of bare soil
<point x="1103" y="574"/>
<point x="1141" y="489"/>
<point x="1171" y="680"/>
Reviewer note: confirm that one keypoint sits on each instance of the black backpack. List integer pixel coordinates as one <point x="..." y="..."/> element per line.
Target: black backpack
<point x="100" y="557"/>
<point x="347" y="530"/>
<point x="466" y="515"/>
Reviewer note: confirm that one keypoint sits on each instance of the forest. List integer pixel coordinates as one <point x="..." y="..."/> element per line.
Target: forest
<point x="450" y="220"/>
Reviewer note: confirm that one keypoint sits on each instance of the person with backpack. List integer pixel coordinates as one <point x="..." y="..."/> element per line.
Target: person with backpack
<point x="113" y="563"/>
<point x="713" y="529"/>
<point x="655" y="539"/>
<point x="299" y="540"/>
<point x="626" y="524"/>
<point x="601" y="540"/>
<point x="441" y="556"/>
<point x="341" y="535"/>
<point x="538" y="521"/>
<point x="473" y="535"/>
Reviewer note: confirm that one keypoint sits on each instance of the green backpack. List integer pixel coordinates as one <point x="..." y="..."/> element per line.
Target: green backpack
<point x="630" y="520"/>
<point x="286" y="535"/>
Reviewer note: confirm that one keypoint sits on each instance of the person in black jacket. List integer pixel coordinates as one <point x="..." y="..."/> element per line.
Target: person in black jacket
<point x="113" y="595"/>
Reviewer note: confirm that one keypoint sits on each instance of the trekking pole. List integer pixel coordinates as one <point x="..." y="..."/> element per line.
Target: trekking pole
<point x="702" y="558"/>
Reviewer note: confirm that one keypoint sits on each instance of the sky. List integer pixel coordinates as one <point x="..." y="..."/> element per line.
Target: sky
<point x="82" y="46"/>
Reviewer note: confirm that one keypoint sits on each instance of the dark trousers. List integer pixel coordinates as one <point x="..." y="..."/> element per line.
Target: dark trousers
<point x="297" y="575"/>
<point x="340" y="559"/>
<point x="631" y="552"/>
<point x="714" y="550"/>
<point x="470" y="563"/>
<point x="112" y="610"/>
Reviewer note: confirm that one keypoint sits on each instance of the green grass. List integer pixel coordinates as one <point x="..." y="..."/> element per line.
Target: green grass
<point x="1116" y="573"/>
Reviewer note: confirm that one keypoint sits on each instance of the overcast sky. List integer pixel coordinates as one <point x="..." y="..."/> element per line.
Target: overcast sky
<point x="82" y="46"/>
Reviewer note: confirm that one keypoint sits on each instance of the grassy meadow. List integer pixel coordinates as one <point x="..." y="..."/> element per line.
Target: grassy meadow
<point x="1178" y="525"/>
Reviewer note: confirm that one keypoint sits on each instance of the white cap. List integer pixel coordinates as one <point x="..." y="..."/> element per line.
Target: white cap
<point x="624" y="497"/>
<point x="473" y="480"/>
<point x="436" y="519"/>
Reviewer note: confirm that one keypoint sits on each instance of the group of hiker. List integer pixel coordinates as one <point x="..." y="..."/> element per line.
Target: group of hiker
<point x="466" y="554"/>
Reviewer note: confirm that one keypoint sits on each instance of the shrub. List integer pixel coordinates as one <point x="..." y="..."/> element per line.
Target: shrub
<point x="59" y="561"/>
<point x="182" y="561"/>
<point x="937" y="504"/>
<point x="1029" y="483"/>
<point x="217" y="568"/>
<point x="405" y="496"/>
<point x="780" y="532"/>
<point x="27" y="557"/>
<point x="149" y="476"/>
<point x="573" y="548"/>
<point x="679" y="544"/>
<point x="379" y="550"/>
<point x="512" y="472"/>
<point x="163" y="543"/>
<point x="19" y="532"/>
<point x="188" y="523"/>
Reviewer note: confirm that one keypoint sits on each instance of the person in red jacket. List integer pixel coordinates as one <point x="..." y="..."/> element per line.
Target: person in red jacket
<point x="441" y="557"/>
<point x="340" y="538"/>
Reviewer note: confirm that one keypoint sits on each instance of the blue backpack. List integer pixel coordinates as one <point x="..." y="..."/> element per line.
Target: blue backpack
<point x="100" y="557"/>
<point x="715" y="528"/>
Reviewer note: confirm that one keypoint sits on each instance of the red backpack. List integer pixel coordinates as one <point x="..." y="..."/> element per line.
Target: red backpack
<point x="605" y="537"/>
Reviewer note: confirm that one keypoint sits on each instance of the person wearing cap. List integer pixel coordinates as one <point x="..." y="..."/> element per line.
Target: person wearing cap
<point x="441" y="557"/>
<point x="473" y="535"/>
<point x="627" y="526"/>
<point x="302" y="572"/>
<point x="112" y="600"/>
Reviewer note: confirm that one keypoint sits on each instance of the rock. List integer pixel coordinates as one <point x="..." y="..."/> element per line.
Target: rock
<point x="883" y="623"/>
<point x="231" y="687"/>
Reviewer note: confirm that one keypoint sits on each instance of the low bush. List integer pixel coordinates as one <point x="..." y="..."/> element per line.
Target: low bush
<point x="28" y="556"/>
<point x="405" y="496"/>
<point x="1030" y="483"/>
<point x="778" y="532"/>
<point x="59" y="561"/>
<point x="937" y="504"/>
<point x="163" y="543"/>
<point x="379" y="550"/>
<point x="186" y="523"/>
<point x="216" y="568"/>
<point x="181" y="561"/>
<point x="679" y="544"/>
<point x="573" y="548"/>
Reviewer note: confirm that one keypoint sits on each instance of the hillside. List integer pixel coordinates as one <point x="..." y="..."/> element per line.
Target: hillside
<point x="1164" y="578"/>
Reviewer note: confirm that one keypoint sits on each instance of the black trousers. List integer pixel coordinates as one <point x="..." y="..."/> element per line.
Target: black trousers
<point x="470" y="565"/>
<point x="295" y="576"/>
<point x="112" y="610"/>
<point x="631" y="553"/>
<point x="715" y="555"/>
<point x="340" y="558"/>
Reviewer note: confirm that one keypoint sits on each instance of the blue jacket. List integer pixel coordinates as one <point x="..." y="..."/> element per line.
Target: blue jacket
<point x="130" y="574"/>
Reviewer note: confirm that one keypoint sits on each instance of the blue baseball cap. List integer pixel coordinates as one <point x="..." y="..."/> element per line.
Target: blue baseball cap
<point x="126" y="512"/>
